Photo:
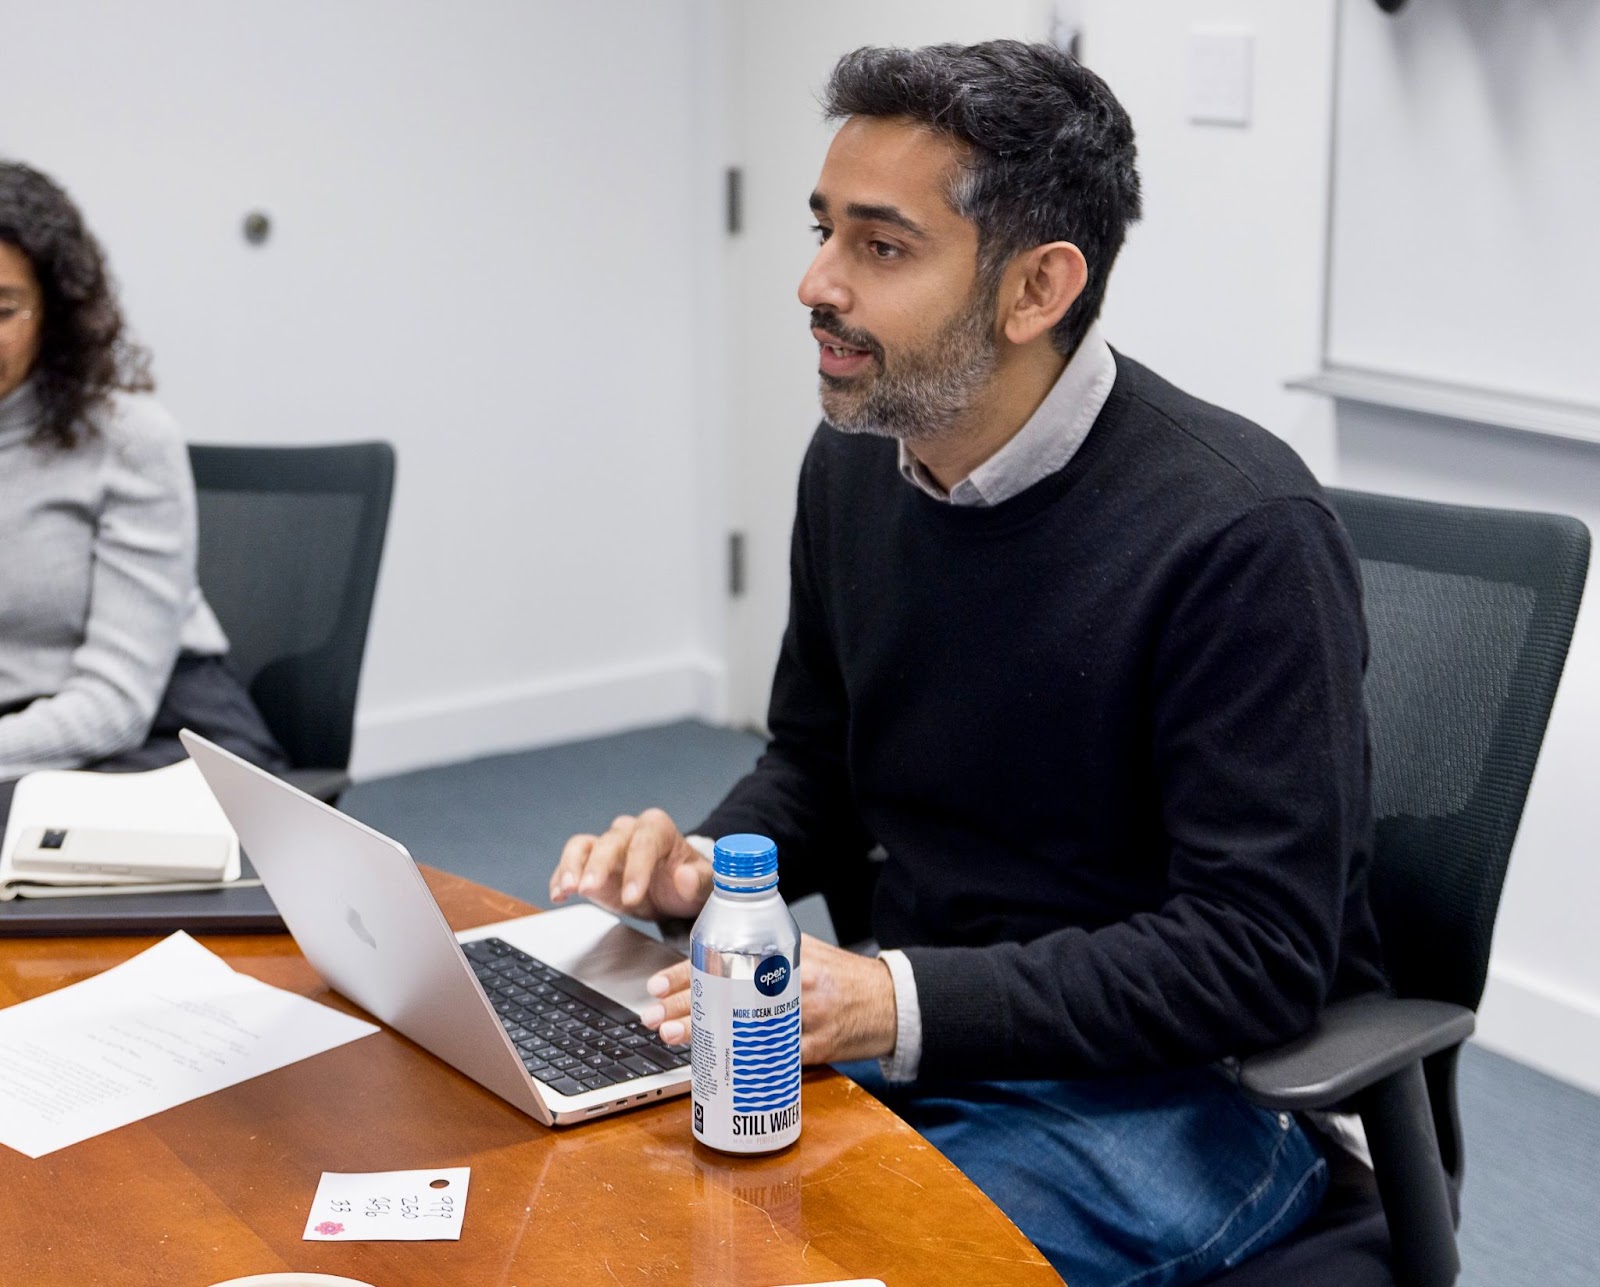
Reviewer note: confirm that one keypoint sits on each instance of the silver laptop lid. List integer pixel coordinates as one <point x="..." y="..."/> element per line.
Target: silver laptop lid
<point x="364" y="917"/>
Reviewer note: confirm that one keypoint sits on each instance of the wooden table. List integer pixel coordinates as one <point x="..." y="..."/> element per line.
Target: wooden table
<point x="220" y="1187"/>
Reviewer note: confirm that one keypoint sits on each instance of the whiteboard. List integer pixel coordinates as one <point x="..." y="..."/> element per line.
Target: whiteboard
<point x="1465" y="221"/>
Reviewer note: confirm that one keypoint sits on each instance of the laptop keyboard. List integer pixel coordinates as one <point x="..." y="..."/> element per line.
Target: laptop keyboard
<point x="569" y="1036"/>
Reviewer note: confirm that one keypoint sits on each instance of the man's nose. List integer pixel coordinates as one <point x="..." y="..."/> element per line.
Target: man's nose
<point x="822" y="286"/>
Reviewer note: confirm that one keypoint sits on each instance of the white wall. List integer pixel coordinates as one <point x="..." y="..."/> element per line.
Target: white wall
<point x="1221" y="289"/>
<point x="492" y="228"/>
<point x="1460" y="128"/>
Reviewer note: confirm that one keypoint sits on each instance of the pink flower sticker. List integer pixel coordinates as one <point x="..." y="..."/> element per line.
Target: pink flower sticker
<point x="329" y="1227"/>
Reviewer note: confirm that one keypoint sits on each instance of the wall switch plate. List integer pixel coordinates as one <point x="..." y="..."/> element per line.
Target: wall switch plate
<point x="1221" y="75"/>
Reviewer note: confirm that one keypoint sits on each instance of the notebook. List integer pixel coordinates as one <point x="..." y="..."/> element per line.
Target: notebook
<point x="174" y="799"/>
<point x="541" y="1010"/>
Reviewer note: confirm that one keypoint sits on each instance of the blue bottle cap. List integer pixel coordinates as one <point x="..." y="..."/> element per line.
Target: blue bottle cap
<point x="745" y="857"/>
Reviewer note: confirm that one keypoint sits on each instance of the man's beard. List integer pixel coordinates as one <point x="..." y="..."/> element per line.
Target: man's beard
<point x="925" y="391"/>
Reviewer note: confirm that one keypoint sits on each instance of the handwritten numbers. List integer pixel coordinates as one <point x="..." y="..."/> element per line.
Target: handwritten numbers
<point x="404" y="1206"/>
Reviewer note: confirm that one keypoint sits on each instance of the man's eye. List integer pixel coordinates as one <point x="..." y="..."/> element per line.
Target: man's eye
<point x="883" y="250"/>
<point x="822" y="234"/>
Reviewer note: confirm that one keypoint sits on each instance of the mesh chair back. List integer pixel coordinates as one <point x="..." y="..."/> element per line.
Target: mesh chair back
<point x="290" y="541"/>
<point x="1470" y="612"/>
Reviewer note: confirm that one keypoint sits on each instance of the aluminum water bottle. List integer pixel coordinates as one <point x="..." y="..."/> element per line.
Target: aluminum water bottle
<point x="744" y="1004"/>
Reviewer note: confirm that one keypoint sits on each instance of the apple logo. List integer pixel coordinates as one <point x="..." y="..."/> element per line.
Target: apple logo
<point x="352" y="918"/>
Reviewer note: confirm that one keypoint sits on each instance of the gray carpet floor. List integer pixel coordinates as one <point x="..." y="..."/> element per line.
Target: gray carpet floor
<point x="1531" y="1203"/>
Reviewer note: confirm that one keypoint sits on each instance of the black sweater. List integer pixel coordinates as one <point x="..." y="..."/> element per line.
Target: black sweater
<point x="1110" y="733"/>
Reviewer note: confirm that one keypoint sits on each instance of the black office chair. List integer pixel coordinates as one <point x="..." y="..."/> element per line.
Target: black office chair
<point x="1470" y="613"/>
<point x="290" y="542"/>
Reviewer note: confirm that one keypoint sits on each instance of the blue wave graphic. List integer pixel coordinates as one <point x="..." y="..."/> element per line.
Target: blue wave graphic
<point x="765" y="1085"/>
<point x="758" y="1040"/>
<point x="766" y="1063"/>
<point x="765" y="1050"/>
<point x="790" y="1036"/>
<point x="786" y="1033"/>
<point x="766" y="1090"/>
<point x="745" y="1046"/>
<point x="765" y="1067"/>
<point x="766" y="1038"/>
<point x="766" y="1105"/>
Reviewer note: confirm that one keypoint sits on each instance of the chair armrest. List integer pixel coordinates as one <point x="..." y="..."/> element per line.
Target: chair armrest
<point x="326" y="785"/>
<point x="1355" y="1044"/>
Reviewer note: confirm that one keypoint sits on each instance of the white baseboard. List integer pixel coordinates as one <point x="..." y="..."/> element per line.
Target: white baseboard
<point x="1543" y="1025"/>
<point x="541" y="712"/>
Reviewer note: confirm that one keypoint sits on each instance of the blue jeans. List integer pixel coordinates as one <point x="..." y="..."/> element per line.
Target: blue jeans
<point x="1128" y="1182"/>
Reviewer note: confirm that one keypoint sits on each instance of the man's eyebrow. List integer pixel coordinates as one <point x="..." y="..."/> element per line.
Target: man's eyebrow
<point x="884" y="214"/>
<point x="871" y="214"/>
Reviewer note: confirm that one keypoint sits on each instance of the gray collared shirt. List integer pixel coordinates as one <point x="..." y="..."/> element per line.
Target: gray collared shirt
<point x="1049" y="439"/>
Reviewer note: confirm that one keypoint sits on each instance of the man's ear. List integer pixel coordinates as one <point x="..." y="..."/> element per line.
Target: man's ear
<point x="1039" y="287"/>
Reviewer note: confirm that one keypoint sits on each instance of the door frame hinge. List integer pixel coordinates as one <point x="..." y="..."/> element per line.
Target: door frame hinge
<point x="734" y="200"/>
<point x="736" y="565"/>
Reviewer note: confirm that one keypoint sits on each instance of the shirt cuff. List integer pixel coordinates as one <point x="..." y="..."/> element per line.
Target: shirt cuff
<point x="901" y="1065"/>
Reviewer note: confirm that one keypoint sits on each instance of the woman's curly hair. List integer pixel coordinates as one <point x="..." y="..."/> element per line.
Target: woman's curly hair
<point x="84" y="349"/>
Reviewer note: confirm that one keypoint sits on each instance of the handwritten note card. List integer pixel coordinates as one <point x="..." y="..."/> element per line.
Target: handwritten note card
<point x="389" y="1206"/>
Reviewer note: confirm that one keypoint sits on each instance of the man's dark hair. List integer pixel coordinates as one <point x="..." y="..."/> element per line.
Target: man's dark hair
<point x="84" y="352"/>
<point x="1050" y="150"/>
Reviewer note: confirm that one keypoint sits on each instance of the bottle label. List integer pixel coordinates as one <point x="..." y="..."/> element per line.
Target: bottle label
<point x="746" y="1058"/>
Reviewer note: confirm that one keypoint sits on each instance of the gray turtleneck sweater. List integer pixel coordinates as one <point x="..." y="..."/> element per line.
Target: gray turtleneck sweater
<point x="97" y="582"/>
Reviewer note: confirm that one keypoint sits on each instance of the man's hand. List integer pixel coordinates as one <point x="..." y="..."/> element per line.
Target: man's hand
<point x="641" y="867"/>
<point x="847" y="1006"/>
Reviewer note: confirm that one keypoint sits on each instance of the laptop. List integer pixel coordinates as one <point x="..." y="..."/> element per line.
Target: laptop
<point x="542" y="1010"/>
<point x="243" y="908"/>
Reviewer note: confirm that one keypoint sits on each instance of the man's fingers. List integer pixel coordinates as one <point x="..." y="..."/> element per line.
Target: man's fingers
<point x="675" y="978"/>
<point x="675" y="1006"/>
<point x="564" y="879"/>
<point x="691" y="880"/>
<point x="633" y="868"/>
<point x="605" y="860"/>
<point x="669" y="1017"/>
<point x="648" y="847"/>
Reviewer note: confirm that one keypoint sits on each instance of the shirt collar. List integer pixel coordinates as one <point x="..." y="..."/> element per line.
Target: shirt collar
<point x="1049" y="439"/>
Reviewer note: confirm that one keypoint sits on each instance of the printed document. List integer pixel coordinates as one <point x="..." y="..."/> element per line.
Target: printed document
<point x="174" y="1023"/>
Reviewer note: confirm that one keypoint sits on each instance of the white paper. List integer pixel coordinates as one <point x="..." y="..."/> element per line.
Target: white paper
<point x="170" y="800"/>
<point x="389" y="1206"/>
<point x="170" y="1025"/>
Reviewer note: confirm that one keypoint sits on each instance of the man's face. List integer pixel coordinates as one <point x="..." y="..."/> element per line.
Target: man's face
<point x="906" y="332"/>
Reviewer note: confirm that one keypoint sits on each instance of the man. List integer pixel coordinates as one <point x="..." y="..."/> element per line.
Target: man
<point x="1083" y="655"/>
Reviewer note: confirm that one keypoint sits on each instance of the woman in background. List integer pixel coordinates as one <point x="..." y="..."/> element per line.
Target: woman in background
<point x="107" y="646"/>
